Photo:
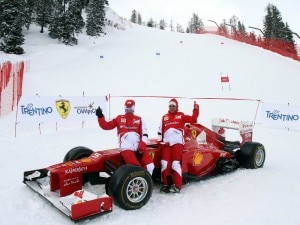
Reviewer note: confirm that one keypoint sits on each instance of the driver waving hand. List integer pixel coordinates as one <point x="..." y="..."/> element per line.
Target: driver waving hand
<point x="170" y="133"/>
<point x="132" y="135"/>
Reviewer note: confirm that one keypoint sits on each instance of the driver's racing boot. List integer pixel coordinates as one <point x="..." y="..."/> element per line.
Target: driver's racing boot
<point x="165" y="189"/>
<point x="174" y="189"/>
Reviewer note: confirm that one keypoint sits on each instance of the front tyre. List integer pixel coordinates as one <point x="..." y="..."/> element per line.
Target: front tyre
<point x="77" y="153"/>
<point x="81" y="152"/>
<point x="252" y="155"/>
<point x="130" y="187"/>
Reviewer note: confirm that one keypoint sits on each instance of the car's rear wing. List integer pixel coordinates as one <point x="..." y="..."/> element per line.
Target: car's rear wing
<point x="245" y="128"/>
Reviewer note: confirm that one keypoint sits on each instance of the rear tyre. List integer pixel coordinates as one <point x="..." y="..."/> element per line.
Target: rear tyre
<point x="130" y="187"/>
<point x="252" y="155"/>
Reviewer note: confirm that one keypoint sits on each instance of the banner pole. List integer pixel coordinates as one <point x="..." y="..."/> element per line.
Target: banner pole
<point x="109" y="106"/>
<point x="221" y="81"/>
<point x="256" y="111"/>
<point x="16" y="118"/>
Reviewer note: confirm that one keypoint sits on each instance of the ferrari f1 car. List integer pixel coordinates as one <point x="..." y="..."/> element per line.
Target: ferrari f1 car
<point x="206" y="153"/>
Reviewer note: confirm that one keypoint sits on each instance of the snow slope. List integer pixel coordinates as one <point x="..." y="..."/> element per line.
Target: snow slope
<point x="188" y="66"/>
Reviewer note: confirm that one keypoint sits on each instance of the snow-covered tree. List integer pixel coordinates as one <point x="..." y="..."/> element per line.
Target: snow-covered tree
<point x="179" y="28"/>
<point x="162" y="24"/>
<point x="43" y="10"/>
<point x="75" y="7"/>
<point x="139" y="19"/>
<point x="66" y="21"/>
<point x="55" y="25"/>
<point x="133" y="17"/>
<point x="171" y="26"/>
<point x="273" y="24"/>
<point x="241" y="29"/>
<point x="222" y="28"/>
<point x="233" y="21"/>
<point x="276" y="29"/>
<point x="96" y="17"/>
<point x="28" y="13"/>
<point x="195" y="24"/>
<point x="150" y="23"/>
<point x="11" y="22"/>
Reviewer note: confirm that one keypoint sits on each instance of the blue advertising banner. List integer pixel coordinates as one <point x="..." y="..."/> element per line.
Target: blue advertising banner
<point x="281" y="116"/>
<point x="53" y="109"/>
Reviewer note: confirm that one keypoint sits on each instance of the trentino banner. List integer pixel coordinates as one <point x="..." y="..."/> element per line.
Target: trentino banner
<point x="53" y="109"/>
<point x="281" y="116"/>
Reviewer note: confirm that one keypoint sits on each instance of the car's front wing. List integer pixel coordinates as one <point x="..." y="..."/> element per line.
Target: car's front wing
<point x="78" y="205"/>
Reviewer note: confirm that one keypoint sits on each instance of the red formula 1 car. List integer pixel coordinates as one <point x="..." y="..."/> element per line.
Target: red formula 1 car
<point x="206" y="153"/>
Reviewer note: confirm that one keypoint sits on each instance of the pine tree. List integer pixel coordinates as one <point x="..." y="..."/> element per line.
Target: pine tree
<point x="222" y="28"/>
<point x="139" y="19"/>
<point x="276" y="31"/>
<point x="195" y="24"/>
<point x="2" y="19"/>
<point x="96" y="18"/>
<point x="11" y="22"/>
<point x="29" y="11"/>
<point x="68" y="28"/>
<point x="55" y="28"/>
<point x="162" y="24"/>
<point x="290" y="45"/>
<point x="133" y="17"/>
<point x="268" y="30"/>
<point x="252" y="37"/>
<point x="43" y="10"/>
<point x="171" y="25"/>
<point x="241" y="29"/>
<point x="150" y="23"/>
<point x="66" y="21"/>
<point x="233" y="21"/>
<point x="75" y="8"/>
<point x="273" y="25"/>
<point x="179" y="28"/>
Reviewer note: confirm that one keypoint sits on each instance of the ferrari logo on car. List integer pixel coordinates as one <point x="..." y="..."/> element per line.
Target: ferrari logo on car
<point x="63" y="108"/>
<point x="194" y="133"/>
<point x="152" y="154"/>
<point x="197" y="159"/>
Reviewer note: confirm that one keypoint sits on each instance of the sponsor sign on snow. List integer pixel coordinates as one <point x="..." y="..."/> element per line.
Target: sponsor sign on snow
<point x="53" y="109"/>
<point x="281" y="116"/>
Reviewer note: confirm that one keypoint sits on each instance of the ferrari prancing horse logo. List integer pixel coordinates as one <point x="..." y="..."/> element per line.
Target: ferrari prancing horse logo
<point x="194" y="133"/>
<point x="63" y="108"/>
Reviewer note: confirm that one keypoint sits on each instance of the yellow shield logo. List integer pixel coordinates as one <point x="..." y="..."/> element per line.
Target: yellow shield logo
<point x="63" y="108"/>
<point x="197" y="159"/>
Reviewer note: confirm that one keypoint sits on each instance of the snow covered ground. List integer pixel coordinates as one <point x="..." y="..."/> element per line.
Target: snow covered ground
<point x="188" y="66"/>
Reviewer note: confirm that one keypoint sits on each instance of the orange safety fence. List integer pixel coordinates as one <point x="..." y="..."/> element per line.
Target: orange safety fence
<point x="11" y="84"/>
<point x="281" y="47"/>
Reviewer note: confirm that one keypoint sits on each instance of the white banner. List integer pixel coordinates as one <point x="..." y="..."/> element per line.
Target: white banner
<point x="281" y="116"/>
<point x="54" y="109"/>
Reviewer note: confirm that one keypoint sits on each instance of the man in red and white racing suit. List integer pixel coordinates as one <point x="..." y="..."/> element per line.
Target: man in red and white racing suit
<point x="132" y="135"/>
<point x="171" y="133"/>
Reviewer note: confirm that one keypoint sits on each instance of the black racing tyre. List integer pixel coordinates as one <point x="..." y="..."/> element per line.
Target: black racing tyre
<point x="130" y="187"/>
<point x="77" y="153"/>
<point x="252" y="155"/>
